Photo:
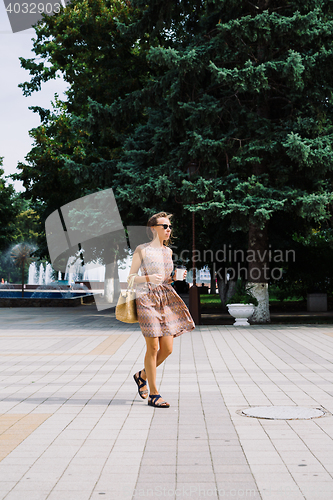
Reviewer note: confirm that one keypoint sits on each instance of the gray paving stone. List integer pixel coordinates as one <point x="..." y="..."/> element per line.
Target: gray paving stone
<point x="73" y="485"/>
<point x="195" y="477"/>
<point x="231" y="469"/>
<point x="6" y="486"/>
<point x="33" y="486"/>
<point x="229" y="459"/>
<point x="98" y="422"/>
<point x="70" y="495"/>
<point x="28" y="495"/>
<point x="158" y="490"/>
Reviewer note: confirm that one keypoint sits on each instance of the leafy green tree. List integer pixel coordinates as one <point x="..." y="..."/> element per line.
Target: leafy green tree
<point x="48" y="184"/>
<point x="27" y="223"/>
<point x="85" y="44"/>
<point x="8" y="211"/>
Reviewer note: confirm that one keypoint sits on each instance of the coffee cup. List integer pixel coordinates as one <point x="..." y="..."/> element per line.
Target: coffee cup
<point x="180" y="271"/>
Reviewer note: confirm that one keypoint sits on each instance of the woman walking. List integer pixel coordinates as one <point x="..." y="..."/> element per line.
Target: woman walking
<point x="162" y="314"/>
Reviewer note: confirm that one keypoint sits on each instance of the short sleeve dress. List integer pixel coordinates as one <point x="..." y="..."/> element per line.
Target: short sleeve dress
<point x="161" y="311"/>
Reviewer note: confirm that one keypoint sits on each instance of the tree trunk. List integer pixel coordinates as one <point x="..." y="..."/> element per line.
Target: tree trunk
<point x="232" y="285"/>
<point x="261" y="311"/>
<point x="226" y="289"/>
<point x="258" y="271"/>
<point x="212" y="271"/>
<point x="221" y="286"/>
<point x="111" y="282"/>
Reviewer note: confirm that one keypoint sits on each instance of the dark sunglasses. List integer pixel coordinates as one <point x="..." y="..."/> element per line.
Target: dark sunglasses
<point x="165" y="226"/>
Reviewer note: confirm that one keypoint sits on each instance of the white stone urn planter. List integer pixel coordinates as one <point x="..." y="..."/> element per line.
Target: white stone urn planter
<point x="241" y="313"/>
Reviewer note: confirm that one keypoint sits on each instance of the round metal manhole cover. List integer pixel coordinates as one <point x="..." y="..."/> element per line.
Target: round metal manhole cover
<point x="283" y="412"/>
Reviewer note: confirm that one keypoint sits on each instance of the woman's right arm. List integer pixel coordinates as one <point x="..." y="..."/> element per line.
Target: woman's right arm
<point x="136" y="263"/>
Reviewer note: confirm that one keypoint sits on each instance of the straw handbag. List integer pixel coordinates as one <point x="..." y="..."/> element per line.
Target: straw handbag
<point x="126" y="306"/>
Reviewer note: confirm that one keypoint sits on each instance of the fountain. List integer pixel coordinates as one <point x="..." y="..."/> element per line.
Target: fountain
<point x="41" y="277"/>
<point x="32" y="279"/>
<point x="21" y="255"/>
<point x="74" y="271"/>
<point x="77" y="289"/>
<point x="4" y="287"/>
<point x="47" y="294"/>
<point x="51" y="291"/>
<point x="51" y="295"/>
<point x="48" y="273"/>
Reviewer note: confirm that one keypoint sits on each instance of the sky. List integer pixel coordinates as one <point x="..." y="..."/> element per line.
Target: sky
<point x="15" y="118"/>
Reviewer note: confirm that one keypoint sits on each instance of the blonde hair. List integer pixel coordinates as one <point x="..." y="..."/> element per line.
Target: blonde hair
<point x="153" y="221"/>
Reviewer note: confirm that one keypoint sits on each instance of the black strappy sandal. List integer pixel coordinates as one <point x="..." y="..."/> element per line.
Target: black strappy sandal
<point x="153" y="401"/>
<point x="141" y="382"/>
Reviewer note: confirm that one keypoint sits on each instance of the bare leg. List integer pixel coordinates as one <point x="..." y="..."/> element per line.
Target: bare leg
<point x="154" y="358"/>
<point x="150" y="363"/>
<point x="166" y="345"/>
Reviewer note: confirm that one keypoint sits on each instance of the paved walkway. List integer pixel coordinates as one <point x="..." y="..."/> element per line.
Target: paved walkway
<point x="72" y="426"/>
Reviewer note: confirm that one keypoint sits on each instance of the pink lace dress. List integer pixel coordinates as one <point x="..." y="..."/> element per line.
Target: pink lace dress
<point x="160" y="309"/>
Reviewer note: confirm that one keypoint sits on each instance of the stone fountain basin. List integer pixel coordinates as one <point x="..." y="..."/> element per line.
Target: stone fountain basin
<point x="48" y="294"/>
<point x="51" y="299"/>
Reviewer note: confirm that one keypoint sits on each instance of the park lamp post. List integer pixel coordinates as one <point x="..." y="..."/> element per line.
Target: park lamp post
<point x="194" y="296"/>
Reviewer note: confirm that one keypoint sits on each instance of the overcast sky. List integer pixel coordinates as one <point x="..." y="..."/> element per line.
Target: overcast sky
<point x="15" y="118"/>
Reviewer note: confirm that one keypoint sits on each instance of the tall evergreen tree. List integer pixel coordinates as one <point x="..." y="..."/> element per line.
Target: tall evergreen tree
<point x="247" y="98"/>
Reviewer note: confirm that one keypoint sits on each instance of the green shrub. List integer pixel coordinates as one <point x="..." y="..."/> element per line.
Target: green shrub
<point x="243" y="295"/>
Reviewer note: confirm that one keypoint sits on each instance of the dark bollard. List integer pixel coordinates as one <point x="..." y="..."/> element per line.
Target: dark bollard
<point x="195" y="309"/>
